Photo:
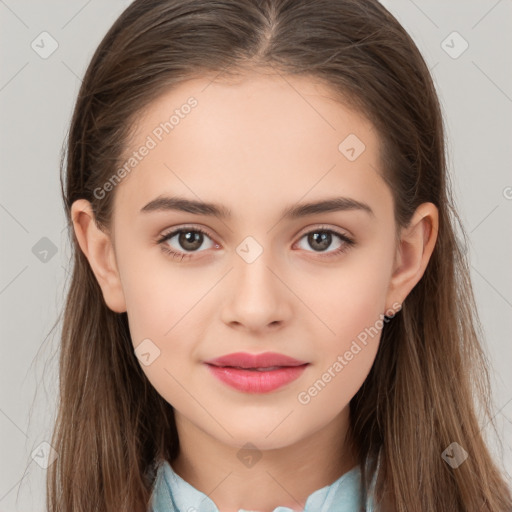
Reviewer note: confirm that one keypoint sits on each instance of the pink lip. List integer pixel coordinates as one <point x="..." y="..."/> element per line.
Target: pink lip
<point x="246" y="360"/>
<point x="235" y="370"/>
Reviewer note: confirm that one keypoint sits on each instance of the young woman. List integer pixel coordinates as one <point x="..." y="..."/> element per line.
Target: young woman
<point x="268" y="309"/>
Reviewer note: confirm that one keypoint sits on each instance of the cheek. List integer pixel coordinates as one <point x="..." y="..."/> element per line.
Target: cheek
<point x="335" y="382"/>
<point x="159" y="295"/>
<point x="351" y="306"/>
<point x="161" y="323"/>
<point x="163" y="302"/>
<point x="350" y="298"/>
<point x="346" y="349"/>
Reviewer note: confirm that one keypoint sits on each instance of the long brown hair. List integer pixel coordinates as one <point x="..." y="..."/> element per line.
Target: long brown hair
<point x="430" y="372"/>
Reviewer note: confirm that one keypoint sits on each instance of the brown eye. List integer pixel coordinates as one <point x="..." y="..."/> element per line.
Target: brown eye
<point x="190" y="240"/>
<point x="321" y="239"/>
<point x="186" y="240"/>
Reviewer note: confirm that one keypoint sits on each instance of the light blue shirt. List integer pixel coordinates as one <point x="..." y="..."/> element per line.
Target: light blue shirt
<point x="173" y="494"/>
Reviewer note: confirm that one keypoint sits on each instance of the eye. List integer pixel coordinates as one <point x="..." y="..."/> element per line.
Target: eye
<point x="321" y="238"/>
<point x="188" y="239"/>
<point x="191" y="239"/>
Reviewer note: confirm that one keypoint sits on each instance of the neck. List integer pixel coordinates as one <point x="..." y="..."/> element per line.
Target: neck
<point x="284" y="476"/>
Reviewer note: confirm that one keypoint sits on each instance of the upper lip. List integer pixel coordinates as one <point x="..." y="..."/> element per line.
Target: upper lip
<point x="246" y="360"/>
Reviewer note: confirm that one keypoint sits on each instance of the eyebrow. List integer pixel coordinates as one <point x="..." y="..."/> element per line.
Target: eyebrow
<point x="164" y="203"/>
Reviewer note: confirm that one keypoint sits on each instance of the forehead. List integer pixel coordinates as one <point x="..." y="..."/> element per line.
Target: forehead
<point x="272" y="138"/>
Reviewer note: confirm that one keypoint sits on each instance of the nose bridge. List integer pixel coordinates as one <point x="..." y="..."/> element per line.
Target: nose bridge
<point x="252" y="265"/>
<point x="257" y="296"/>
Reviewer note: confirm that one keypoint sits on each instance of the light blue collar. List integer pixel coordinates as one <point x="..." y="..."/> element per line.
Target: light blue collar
<point x="173" y="494"/>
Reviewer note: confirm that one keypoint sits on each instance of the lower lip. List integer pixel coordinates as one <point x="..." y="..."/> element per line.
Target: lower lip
<point x="254" y="381"/>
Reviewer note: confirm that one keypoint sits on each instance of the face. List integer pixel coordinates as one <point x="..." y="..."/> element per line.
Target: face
<point x="313" y="286"/>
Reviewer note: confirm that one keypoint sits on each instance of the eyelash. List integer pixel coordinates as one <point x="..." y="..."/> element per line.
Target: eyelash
<point x="348" y="242"/>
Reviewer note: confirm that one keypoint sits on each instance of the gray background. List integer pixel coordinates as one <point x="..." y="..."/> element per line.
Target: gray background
<point x="36" y="100"/>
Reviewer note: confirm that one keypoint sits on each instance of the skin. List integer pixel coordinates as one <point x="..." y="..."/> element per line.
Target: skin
<point x="255" y="146"/>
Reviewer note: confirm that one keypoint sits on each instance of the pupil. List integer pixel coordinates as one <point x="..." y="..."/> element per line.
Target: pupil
<point x="190" y="240"/>
<point x="324" y="240"/>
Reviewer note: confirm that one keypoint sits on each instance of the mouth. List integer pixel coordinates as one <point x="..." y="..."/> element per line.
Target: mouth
<point x="258" y="379"/>
<point x="258" y="368"/>
<point x="266" y="361"/>
<point x="268" y="369"/>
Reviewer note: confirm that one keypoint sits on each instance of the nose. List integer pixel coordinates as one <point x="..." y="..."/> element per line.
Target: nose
<point x="257" y="298"/>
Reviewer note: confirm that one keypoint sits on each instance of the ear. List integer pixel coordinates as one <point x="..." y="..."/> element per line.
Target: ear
<point x="99" y="251"/>
<point x="417" y="242"/>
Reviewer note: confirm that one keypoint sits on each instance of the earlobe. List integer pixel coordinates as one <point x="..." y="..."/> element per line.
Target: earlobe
<point x="417" y="242"/>
<point x="98" y="249"/>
